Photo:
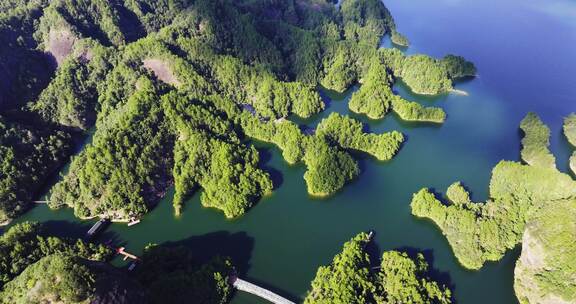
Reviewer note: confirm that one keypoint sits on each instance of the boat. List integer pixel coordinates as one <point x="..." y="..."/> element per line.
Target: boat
<point x="97" y="228"/>
<point x="133" y="222"/>
<point x="370" y="235"/>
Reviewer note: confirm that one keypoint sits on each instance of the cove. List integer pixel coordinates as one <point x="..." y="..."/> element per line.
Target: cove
<point x="524" y="52"/>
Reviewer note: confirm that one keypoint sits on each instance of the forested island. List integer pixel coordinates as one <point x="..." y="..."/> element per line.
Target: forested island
<point x="531" y="203"/>
<point x="172" y="90"/>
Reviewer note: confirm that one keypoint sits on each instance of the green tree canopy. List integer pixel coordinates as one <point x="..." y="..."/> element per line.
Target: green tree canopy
<point x="351" y="278"/>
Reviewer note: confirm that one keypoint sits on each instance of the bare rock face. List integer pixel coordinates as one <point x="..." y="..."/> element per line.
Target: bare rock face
<point x="60" y="44"/>
<point x="546" y="270"/>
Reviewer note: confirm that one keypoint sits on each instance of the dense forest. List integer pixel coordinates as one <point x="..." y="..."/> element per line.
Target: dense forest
<point x="174" y="93"/>
<point x="570" y="132"/>
<point x="172" y="90"/>
<point x="352" y="278"/>
<point x="40" y="268"/>
<point x="530" y="203"/>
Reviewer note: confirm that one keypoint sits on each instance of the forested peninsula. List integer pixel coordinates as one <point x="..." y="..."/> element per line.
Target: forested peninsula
<point x="354" y="277"/>
<point x="173" y="91"/>
<point x="37" y="267"/>
<point x="531" y="203"/>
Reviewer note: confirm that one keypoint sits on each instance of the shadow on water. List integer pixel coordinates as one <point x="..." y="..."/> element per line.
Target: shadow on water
<point x="329" y="95"/>
<point x="77" y="230"/>
<point x="374" y="252"/>
<point x="415" y="124"/>
<point x="403" y="143"/>
<point x="275" y="175"/>
<point x="238" y="246"/>
<point x="520" y="135"/>
<point x="443" y="196"/>
<point x="66" y="229"/>
<point x="563" y="154"/>
<point x="463" y="80"/>
<point x="402" y="89"/>
<point x="471" y="193"/>
<point x="325" y="98"/>
<point x="362" y="159"/>
<point x="111" y="238"/>
<point x="440" y="196"/>
<point x="443" y="278"/>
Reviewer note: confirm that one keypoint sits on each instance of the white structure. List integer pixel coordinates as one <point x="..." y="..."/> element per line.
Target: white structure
<point x="260" y="292"/>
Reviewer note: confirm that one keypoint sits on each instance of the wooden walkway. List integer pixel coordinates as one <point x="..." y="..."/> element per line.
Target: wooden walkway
<point x="259" y="291"/>
<point x="126" y="255"/>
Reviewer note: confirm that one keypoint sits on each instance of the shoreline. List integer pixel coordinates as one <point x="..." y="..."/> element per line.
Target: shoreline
<point x="318" y="195"/>
<point x="366" y="114"/>
<point x="420" y="120"/>
<point x="459" y="92"/>
<point x="113" y="220"/>
<point x="405" y="119"/>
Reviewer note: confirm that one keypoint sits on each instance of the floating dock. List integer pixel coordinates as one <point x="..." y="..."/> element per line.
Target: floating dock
<point x="126" y="255"/>
<point x="133" y="222"/>
<point x="97" y="228"/>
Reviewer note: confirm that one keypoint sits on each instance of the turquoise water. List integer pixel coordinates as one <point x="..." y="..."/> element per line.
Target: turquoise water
<point x="525" y="54"/>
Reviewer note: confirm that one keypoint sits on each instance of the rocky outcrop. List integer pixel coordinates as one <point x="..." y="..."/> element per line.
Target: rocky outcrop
<point x="60" y="44"/>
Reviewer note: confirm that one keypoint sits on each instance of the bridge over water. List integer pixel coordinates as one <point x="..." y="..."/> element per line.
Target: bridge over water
<point x="258" y="291"/>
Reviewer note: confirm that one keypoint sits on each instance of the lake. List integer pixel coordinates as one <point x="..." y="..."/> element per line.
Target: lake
<point x="525" y="52"/>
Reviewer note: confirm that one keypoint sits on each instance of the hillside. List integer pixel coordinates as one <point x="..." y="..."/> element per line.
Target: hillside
<point x="172" y="90"/>
<point x="36" y="267"/>
<point x="530" y="204"/>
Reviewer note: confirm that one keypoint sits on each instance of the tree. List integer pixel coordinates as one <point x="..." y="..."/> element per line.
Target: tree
<point x="480" y="232"/>
<point x="350" y="278"/>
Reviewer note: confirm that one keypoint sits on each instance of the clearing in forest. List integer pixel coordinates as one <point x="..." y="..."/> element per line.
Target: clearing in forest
<point x="60" y="44"/>
<point x="161" y="70"/>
